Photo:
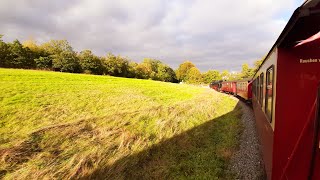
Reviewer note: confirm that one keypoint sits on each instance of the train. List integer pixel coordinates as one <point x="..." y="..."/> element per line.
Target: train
<point x="285" y="97"/>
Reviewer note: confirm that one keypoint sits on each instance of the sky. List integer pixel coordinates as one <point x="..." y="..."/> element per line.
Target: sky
<point x="212" y="34"/>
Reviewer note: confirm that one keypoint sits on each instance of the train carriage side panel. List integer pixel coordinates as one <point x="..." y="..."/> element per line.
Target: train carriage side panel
<point x="234" y="88"/>
<point x="298" y="78"/>
<point x="264" y="126"/>
<point x="249" y="90"/>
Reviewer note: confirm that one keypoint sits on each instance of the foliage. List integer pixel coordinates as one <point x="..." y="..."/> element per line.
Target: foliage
<point x="257" y="64"/>
<point x="43" y="62"/>
<point x="66" y="61"/>
<point x="18" y="56"/>
<point x="194" y="76"/>
<point x="132" y="69"/>
<point x="166" y="73"/>
<point x="211" y="75"/>
<point x="90" y="63"/>
<point x="74" y="126"/>
<point x="116" y="65"/>
<point x="246" y="72"/>
<point x="4" y="52"/>
<point x="56" y="47"/>
<point x="143" y="71"/>
<point x="59" y="55"/>
<point x="183" y="70"/>
<point x="225" y="75"/>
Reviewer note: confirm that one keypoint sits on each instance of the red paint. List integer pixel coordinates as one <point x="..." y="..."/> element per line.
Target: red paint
<point x="296" y="93"/>
<point x="265" y="135"/>
<point x="229" y="87"/>
<point x="244" y="89"/>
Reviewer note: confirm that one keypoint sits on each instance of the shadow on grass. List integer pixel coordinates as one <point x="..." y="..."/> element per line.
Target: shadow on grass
<point x="199" y="153"/>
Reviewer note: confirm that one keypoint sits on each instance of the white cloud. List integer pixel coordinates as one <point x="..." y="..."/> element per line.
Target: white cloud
<point x="212" y="34"/>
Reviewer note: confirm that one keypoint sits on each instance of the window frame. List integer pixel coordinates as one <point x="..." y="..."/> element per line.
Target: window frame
<point x="258" y="89"/>
<point x="266" y="96"/>
<point x="261" y="77"/>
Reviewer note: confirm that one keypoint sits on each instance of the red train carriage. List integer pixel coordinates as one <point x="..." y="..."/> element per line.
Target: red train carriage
<point x="216" y="85"/>
<point x="286" y="99"/>
<point x="244" y="89"/>
<point x="229" y="87"/>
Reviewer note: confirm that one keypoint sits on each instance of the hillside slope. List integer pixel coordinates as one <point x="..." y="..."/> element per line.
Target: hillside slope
<point x="58" y="125"/>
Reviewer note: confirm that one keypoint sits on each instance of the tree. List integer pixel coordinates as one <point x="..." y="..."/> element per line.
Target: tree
<point x="55" y="47"/>
<point x="183" y="70"/>
<point x="66" y="61"/>
<point x="225" y="75"/>
<point x="4" y="52"/>
<point x="143" y="71"/>
<point x="246" y="72"/>
<point x="132" y="69"/>
<point x="116" y="65"/>
<point x="211" y="75"/>
<point x="32" y="45"/>
<point x="257" y="64"/>
<point x="90" y="63"/>
<point x="152" y="65"/>
<point x="19" y="57"/>
<point x="43" y="62"/>
<point x="166" y="73"/>
<point x="194" y="76"/>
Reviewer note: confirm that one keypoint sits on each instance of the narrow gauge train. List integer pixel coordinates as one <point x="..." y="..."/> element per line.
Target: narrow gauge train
<point x="241" y="88"/>
<point x="216" y="85"/>
<point x="286" y="98"/>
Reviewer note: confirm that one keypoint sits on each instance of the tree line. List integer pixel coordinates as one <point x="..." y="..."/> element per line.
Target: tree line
<point x="188" y="72"/>
<point x="58" y="55"/>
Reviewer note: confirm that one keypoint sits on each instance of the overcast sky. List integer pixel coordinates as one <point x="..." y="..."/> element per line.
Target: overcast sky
<point x="212" y="34"/>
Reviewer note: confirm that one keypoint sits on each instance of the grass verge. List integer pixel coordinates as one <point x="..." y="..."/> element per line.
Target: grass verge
<point x="59" y="125"/>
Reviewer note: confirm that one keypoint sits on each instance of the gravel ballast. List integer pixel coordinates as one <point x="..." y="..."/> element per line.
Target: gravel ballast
<point x="247" y="162"/>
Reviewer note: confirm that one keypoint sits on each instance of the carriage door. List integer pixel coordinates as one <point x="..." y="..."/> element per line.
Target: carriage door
<point x="315" y="163"/>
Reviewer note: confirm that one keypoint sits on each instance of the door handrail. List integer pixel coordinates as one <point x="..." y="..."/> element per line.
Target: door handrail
<point x="299" y="139"/>
<point x="315" y="135"/>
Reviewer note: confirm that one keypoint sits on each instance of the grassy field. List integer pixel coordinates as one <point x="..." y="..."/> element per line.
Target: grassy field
<point x="58" y="126"/>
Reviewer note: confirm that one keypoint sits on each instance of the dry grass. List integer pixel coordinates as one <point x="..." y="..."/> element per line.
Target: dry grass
<point x="69" y="126"/>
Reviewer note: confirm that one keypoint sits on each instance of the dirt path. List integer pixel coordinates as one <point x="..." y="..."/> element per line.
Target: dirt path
<point x="247" y="162"/>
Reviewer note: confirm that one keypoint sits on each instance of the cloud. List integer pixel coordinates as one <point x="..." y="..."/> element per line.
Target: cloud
<point x="212" y="34"/>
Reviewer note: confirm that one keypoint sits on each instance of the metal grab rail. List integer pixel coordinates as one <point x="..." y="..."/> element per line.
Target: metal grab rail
<point x="299" y="139"/>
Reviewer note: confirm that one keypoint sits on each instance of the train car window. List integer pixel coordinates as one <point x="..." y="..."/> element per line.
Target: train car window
<point x="261" y="89"/>
<point x="269" y="92"/>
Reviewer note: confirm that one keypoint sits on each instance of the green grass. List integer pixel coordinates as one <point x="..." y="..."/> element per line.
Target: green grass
<point x="58" y="125"/>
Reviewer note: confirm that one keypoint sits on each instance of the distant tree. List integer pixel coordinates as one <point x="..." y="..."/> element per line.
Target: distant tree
<point x="257" y="64"/>
<point x="4" y="52"/>
<point x="90" y="63"/>
<point x="143" y="71"/>
<point x="166" y="73"/>
<point x="32" y="45"/>
<point x="132" y="69"/>
<point x="183" y="70"/>
<point x="194" y="76"/>
<point x="66" y="61"/>
<point x="60" y="54"/>
<point x="116" y="65"/>
<point x="43" y="62"/>
<point x="19" y="57"/>
<point x="55" y="47"/>
<point x="211" y="75"/>
<point x="246" y="72"/>
<point x="225" y="75"/>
